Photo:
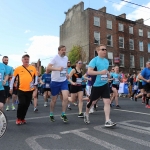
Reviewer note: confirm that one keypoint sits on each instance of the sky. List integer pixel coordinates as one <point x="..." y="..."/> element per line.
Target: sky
<point x="32" y="26"/>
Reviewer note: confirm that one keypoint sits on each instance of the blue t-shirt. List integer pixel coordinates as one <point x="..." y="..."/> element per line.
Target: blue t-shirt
<point x="116" y="77"/>
<point x="69" y="70"/>
<point x="9" y="72"/>
<point x="3" y="73"/>
<point x="83" y="81"/>
<point x="146" y="74"/>
<point x="46" y="78"/>
<point x="100" y="64"/>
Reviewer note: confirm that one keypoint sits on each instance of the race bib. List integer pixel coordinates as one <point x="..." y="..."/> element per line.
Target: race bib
<point x="63" y="72"/>
<point x="116" y="80"/>
<point x="47" y="85"/>
<point x="0" y="77"/>
<point x="78" y="80"/>
<point x="104" y="77"/>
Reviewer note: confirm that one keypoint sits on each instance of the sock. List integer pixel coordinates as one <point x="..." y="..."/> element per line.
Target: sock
<point x="63" y="113"/>
<point x="51" y="113"/>
<point x="147" y="100"/>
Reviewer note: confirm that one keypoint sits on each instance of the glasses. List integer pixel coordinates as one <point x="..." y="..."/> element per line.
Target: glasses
<point x="104" y="49"/>
<point x="79" y="62"/>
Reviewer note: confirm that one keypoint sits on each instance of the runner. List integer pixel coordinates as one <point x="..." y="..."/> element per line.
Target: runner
<point x="35" y="92"/>
<point x="100" y="87"/>
<point x="59" y="82"/>
<point x="116" y="77"/>
<point x="27" y="76"/>
<point x="3" y="80"/>
<point x="69" y="70"/>
<point x="45" y="81"/>
<point x="145" y="77"/>
<point x="6" y="86"/>
<point x="75" y="78"/>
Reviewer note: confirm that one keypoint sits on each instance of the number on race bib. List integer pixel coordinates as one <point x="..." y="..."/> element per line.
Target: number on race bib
<point x="104" y="77"/>
<point x="47" y="85"/>
<point x="63" y="72"/>
<point x="78" y="80"/>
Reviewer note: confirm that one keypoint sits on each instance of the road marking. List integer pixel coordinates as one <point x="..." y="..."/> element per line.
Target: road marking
<point x="92" y="139"/>
<point x="31" y="141"/>
<point x="122" y="136"/>
<point x="128" y="123"/>
<point x="136" y="112"/>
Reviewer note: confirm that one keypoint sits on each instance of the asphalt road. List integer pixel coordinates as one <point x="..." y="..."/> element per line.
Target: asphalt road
<point x="131" y="133"/>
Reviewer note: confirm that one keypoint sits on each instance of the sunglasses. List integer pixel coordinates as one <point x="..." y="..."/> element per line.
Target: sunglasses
<point x="104" y="49"/>
<point x="79" y="62"/>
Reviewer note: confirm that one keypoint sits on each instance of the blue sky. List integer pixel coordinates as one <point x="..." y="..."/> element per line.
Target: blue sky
<point x="32" y="26"/>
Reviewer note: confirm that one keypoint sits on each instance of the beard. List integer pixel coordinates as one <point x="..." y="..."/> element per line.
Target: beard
<point x="5" y="63"/>
<point x="63" y="54"/>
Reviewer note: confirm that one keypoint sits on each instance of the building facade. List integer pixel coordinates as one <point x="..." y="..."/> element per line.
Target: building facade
<point x="128" y="42"/>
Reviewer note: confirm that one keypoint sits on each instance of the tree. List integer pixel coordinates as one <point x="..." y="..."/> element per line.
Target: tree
<point x="76" y="53"/>
<point x="42" y="70"/>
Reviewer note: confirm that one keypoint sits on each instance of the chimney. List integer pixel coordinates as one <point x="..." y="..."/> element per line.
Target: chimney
<point x="122" y="16"/>
<point x="103" y="9"/>
<point x="140" y="21"/>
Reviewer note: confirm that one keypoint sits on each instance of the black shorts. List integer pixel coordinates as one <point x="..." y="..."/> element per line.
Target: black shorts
<point x="2" y="96"/>
<point x="46" y="89"/>
<point x="75" y="89"/>
<point x="69" y="87"/>
<point x="146" y="87"/>
<point x="100" y="91"/>
<point x="7" y="94"/>
<point x="115" y="86"/>
<point x="15" y="91"/>
<point x="140" y="86"/>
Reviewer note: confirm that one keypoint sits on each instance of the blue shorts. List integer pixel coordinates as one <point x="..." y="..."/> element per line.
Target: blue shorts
<point x="57" y="87"/>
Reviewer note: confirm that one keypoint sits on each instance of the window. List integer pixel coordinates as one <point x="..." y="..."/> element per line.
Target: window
<point x="96" y="38"/>
<point x="130" y="30"/>
<point x="148" y="34"/>
<point x="109" y="40"/>
<point x="109" y="24"/>
<point x="110" y="58"/>
<point x="141" y="46"/>
<point x="131" y="44"/>
<point x="97" y="21"/>
<point x="121" y="27"/>
<point x="141" y="62"/>
<point x="149" y="47"/>
<point x="121" y="60"/>
<point x="140" y="32"/>
<point x="121" y="42"/>
<point x="132" y="64"/>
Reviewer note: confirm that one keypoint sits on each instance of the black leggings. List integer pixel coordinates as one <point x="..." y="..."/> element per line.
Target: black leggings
<point x="25" y="98"/>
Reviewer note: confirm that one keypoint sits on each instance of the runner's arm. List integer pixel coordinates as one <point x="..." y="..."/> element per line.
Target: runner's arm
<point x="51" y="68"/>
<point x="70" y="75"/>
<point x="142" y="78"/>
<point x="92" y="72"/>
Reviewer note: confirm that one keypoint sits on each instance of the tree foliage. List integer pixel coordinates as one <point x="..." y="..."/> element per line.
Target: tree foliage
<point x="76" y="53"/>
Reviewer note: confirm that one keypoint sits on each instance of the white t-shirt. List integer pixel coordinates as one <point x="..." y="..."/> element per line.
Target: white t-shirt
<point x="57" y="61"/>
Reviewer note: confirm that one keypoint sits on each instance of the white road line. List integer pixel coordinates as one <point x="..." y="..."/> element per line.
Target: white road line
<point x="122" y="136"/>
<point x="127" y="123"/>
<point x="133" y="129"/>
<point x="136" y="112"/>
<point x="93" y="139"/>
<point x="31" y="141"/>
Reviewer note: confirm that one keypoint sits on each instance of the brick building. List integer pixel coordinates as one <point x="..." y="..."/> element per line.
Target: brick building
<point x="128" y="42"/>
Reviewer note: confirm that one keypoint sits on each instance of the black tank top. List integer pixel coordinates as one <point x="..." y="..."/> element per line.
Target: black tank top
<point x="77" y="77"/>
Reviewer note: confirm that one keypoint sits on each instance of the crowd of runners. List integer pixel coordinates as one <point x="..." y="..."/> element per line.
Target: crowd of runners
<point x="23" y="85"/>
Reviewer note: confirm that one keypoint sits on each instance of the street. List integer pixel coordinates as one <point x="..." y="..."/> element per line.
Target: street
<point x="132" y="131"/>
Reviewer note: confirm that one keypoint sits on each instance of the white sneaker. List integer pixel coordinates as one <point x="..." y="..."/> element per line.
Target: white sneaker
<point x="45" y="104"/>
<point x="109" y="124"/>
<point x="86" y="118"/>
<point x="13" y="107"/>
<point x="7" y="108"/>
<point x="91" y="110"/>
